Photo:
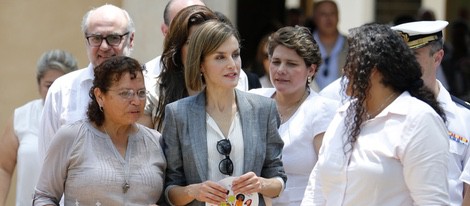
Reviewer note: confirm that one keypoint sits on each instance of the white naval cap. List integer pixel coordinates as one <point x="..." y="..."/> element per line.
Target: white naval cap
<point x="419" y="33"/>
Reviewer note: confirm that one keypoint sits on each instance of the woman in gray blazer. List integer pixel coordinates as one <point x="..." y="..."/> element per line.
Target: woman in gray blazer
<point x="221" y="132"/>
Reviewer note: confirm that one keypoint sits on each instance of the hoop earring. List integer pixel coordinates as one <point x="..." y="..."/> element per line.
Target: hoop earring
<point x="173" y="59"/>
<point x="101" y="108"/>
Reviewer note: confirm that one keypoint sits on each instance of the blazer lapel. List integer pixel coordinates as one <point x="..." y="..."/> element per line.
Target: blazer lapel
<point x="197" y="131"/>
<point x="248" y="126"/>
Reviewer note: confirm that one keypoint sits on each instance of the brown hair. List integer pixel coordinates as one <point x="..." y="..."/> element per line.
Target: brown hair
<point x="299" y="39"/>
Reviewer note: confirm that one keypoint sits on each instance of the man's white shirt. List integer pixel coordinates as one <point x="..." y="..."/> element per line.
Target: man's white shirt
<point x="66" y="102"/>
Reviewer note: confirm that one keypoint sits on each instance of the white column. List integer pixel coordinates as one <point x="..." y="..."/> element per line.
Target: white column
<point x="147" y="16"/>
<point x="437" y="6"/>
<point x="355" y="13"/>
<point x="227" y="7"/>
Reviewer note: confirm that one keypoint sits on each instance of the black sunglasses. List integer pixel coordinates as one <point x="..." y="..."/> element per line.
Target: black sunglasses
<point x="226" y="165"/>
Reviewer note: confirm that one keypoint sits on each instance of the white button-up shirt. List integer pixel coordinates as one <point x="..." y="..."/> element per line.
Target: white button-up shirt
<point x="458" y="118"/>
<point x="399" y="158"/>
<point x="66" y="102"/>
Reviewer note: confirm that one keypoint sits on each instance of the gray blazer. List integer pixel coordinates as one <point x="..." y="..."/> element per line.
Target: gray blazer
<point x="185" y="143"/>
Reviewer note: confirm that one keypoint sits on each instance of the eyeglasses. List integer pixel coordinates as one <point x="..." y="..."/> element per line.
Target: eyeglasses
<point x="226" y="165"/>
<point x="129" y="94"/>
<point x="111" y="40"/>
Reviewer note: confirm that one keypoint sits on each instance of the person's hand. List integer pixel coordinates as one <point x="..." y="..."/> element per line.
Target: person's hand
<point x="247" y="184"/>
<point x="208" y="191"/>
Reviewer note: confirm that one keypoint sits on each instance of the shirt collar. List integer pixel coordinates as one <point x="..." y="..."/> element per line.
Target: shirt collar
<point x="398" y="106"/>
<point x="443" y="97"/>
<point x="87" y="75"/>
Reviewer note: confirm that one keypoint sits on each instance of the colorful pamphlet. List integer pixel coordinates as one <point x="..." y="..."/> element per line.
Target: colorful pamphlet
<point x="236" y="199"/>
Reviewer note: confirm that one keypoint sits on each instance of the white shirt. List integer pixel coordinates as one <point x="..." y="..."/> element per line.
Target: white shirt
<point x="237" y="155"/>
<point x="26" y="127"/>
<point x="265" y="81"/>
<point x="66" y="102"/>
<point x="399" y="158"/>
<point x="458" y="118"/>
<point x="153" y="67"/>
<point x="333" y="91"/>
<point x="298" y="155"/>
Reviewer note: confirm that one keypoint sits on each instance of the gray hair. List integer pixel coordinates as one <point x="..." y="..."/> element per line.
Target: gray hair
<point x="436" y="46"/>
<point x="55" y="59"/>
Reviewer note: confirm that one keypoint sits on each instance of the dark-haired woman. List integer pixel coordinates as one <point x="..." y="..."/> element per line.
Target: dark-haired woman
<point x="388" y="145"/>
<point x="107" y="159"/>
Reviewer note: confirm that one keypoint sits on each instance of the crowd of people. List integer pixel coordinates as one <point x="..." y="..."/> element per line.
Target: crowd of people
<point x="360" y="119"/>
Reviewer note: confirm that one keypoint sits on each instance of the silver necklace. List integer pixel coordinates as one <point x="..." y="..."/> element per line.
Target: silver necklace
<point x="125" y="185"/>
<point x="288" y="111"/>
<point x="380" y="108"/>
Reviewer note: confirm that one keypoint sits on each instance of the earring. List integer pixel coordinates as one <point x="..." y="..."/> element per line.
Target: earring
<point x="203" y="80"/>
<point x="101" y="108"/>
<point x="173" y="58"/>
<point x="309" y="79"/>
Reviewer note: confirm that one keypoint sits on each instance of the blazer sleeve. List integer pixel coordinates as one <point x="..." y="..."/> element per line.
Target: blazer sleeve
<point x="273" y="166"/>
<point x="172" y="150"/>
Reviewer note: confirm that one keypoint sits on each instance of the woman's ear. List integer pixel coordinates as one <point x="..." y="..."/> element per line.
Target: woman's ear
<point x="201" y="68"/>
<point x="375" y="75"/>
<point x="312" y="70"/>
<point x="99" y="96"/>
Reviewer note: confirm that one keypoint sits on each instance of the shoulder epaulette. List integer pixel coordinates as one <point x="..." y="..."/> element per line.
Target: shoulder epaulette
<point x="460" y="101"/>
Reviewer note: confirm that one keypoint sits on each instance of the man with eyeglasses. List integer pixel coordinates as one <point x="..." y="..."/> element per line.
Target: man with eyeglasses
<point x="108" y="31"/>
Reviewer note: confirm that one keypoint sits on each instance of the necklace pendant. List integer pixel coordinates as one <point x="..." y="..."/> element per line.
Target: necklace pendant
<point x="125" y="187"/>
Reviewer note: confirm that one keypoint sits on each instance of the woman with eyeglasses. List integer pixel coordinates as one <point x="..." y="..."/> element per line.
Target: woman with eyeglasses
<point x="220" y="132"/>
<point x="107" y="159"/>
<point x="305" y="115"/>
